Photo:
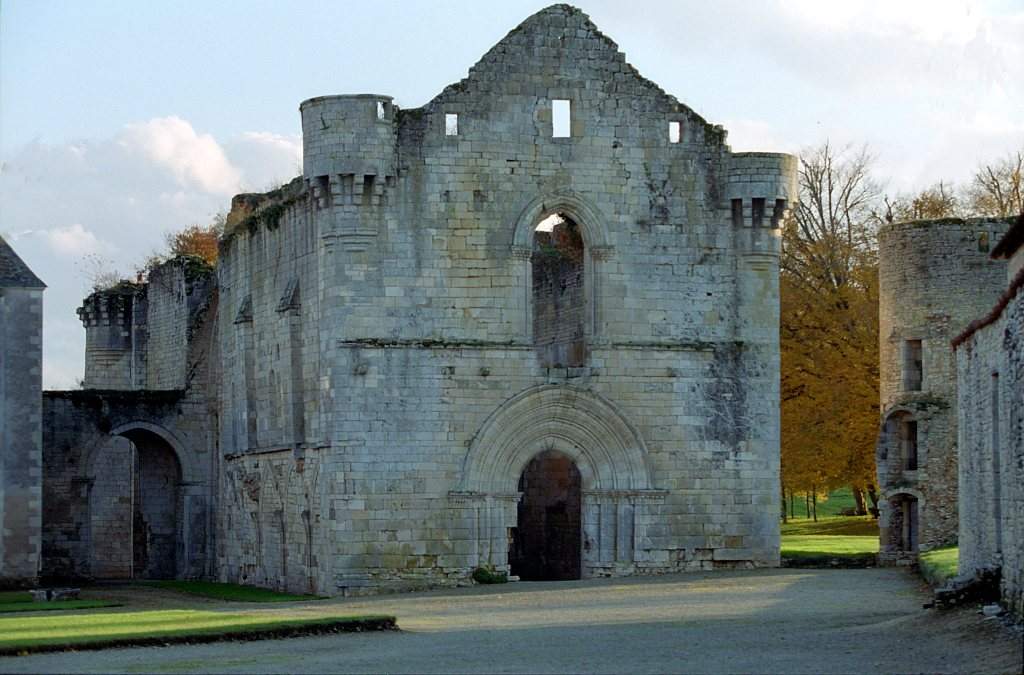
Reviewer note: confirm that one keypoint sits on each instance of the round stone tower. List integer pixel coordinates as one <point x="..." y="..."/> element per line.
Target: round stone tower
<point x="114" y="321"/>
<point x="348" y="135"/>
<point x="935" y="277"/>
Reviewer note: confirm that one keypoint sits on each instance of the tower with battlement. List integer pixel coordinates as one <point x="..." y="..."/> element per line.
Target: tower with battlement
<point x="935" y="277"/>
<point x="530" y="326"/>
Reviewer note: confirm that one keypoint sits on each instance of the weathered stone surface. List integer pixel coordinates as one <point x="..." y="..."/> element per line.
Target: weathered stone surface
<point x="129" y="468"/>
<point x="990" y="378"/>
<point x="21" y="326"/>
<point x="374" y="427"/>
<point x="934" y="278"/>
<point x="389" y="344"/>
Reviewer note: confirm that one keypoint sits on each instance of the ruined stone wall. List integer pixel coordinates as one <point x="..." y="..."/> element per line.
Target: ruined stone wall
<point x="934" y="277"/>
<point x="21" y="316"/>
<point x="378" y="317"/>
<point x="990" y="415"/>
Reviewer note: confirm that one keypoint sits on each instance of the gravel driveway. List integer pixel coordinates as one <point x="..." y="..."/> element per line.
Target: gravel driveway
<point x="813" y="621"/>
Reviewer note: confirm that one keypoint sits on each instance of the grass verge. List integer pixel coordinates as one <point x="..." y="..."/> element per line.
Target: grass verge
<point x="939" y="564"/>
<point x="231" y="592"/>
<point x="830" y="542"/>
<point x="23" y="635"/>
<point x="21" y="601"/>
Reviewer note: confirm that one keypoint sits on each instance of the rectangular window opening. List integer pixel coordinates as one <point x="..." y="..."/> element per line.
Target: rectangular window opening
<point x="674" y="132"/>
<point x="380" y="110"/>
<point x="913" y="366"/>
<point x="324" y="185"/>
<point x="737" y="213"/>
<point x="561" y="118"/>
<point x="368" y="181"/>
<point x="757" y="211"/>
<point x="451" y="124"/>
<point x="909" y="433"/>
<point x="778" y="213"/>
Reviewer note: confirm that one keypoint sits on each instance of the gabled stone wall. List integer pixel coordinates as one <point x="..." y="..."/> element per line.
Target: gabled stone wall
<point x="377" y="321"/>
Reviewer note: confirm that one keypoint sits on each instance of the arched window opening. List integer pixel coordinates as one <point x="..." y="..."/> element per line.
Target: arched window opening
<point x="899" y="445"/>
<point x="559" y="297"/>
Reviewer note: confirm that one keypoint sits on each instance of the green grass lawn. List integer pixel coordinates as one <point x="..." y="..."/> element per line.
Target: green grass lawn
<point x="21" y="601"/>
<point x="231" y="592"/>
<point x="939" y="565"/>
<point x="852" y="537"/>
<point x="829" y="506"/>
<point x="71" y="631"/>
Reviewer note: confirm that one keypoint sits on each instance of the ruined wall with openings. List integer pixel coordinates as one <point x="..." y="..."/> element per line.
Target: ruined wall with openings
<point x="130" y="461"/>
<point x="990" y="370"/>
<point x="382" y="386"/>
<point x="934" y="278"/>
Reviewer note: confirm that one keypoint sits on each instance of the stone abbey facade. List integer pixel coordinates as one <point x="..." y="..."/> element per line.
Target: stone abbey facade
<point x="935" y="277"/>
<point x="530" y="326"/>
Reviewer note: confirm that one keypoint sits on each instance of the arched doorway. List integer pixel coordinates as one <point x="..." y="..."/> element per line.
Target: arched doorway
<point x="904" y="526"/>
<point x="135" y="504"/>
<point x="546" y="542"/>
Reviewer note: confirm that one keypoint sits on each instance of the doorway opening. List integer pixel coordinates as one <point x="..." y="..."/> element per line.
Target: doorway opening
<point x="904" y="529"/>
<point x="136" y="506"/>
<point x="559" y="294"/>
<point x="546" y="544"/>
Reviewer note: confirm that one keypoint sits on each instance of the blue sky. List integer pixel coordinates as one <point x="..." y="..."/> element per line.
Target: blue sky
<point x="120" y="121"/>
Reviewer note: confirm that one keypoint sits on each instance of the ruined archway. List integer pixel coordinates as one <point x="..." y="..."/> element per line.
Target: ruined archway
<point x="546" y="543"/>
<point x="608" y="453"/>
<point x="899" y="525"/>
<point x="136" y="505"/>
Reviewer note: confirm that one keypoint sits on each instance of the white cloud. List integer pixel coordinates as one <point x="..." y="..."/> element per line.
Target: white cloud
<point x="114" y="199"/>
<point x="267" y="159"/>
<point x="192" y="158"/>
<point x="73" y="240"/>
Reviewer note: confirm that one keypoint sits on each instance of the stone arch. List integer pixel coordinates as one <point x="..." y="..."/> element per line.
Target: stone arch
<point x="147" y="504"/>
<point x="899" y="444"/>
<point x="900" y="523"/>
<point x="186" y="458"/>
<point x="597" y="248"/>
<point x="593" y="225"/>
<point x="608" y="451"/>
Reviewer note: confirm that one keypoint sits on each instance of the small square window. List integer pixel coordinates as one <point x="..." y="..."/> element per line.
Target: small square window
<point x="674" y="132"/>
<point x="561" y="118"/>
<point x="451" y="124"/>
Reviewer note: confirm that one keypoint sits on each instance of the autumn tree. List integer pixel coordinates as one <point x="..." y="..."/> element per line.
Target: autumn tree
<point x="196" y="240"/>
<point x="829" y="325"/>
<point x="936" y="201"/>
<point x="997" y="188"/>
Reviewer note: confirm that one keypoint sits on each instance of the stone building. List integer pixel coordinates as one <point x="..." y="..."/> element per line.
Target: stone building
<point x="531" y="325"/>
<point x="990" y="415"/>
<point x="130" y="460"/>
<point x="21" y="345"/>
<point x="934" y="278"/>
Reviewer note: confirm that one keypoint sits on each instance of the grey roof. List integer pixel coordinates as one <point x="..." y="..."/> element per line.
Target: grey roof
<point x="14" y="273"/>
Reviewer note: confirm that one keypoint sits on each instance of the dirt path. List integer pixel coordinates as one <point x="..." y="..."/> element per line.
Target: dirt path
<point x="814" y="621"/>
